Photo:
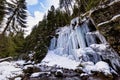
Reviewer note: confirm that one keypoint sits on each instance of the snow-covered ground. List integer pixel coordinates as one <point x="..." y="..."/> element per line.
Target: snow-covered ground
<point x="53" y="59"/>
<point x="9" y="70"/>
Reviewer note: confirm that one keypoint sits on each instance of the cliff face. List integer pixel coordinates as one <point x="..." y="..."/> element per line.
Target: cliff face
<point x="107" y="20"/>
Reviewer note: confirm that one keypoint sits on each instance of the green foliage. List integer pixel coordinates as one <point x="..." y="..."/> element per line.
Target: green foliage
<point x="11" y="45"/>
<point x="7" y="47"/>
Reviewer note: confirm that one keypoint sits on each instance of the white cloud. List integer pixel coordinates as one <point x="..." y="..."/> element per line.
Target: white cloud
<point x="52" y="2"/>
<point x="32" y="2"/>
<point x="32" y="21"/>
<point x="42" y="5"/>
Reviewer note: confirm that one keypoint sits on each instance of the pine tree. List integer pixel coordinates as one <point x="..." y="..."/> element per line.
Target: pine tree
<point x="16" y="16"/>
<point x="65" y="4"/>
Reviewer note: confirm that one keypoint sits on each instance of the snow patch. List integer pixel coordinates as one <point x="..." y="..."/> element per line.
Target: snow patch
<point x="61" y="61"/>
<point x="8" y="70"/>
<point x="100" y="66"/>
<point x="37" y="74"/>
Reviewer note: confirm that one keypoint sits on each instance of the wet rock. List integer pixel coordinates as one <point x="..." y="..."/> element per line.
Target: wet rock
<point x="79" y="70"/>
<point x="100" y="76"/>
<point x="84" y="76"/>
<point x="59" y="73"/>
<point x="29" y="69"/>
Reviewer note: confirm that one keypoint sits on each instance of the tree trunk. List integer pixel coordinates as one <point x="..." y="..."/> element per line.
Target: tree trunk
<point x="6" y="27"/>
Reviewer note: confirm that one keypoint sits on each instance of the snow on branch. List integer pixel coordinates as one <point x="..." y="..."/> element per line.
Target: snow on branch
<point x="6" y="59"/>
<point x="112" y="20"/>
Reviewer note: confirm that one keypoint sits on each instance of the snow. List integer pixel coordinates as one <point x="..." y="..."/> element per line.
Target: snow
<point x="100" y="66"/>
<point x="75" y="46"/>
<point x="60" y="61"/>
<point x="113" y="19"/>
<point x="8" y="70"/>
<point x="88" y="67"/>
<point x="20" y="62"/>
<point x="59" y="70"/>
<point x="113" y="2"/>
<point x="75" y="20"/>
<point x="100" y="47"/>
<point x="26" y="67"/>
<point x="37" y="74"/>
<point x="19" y="78"/>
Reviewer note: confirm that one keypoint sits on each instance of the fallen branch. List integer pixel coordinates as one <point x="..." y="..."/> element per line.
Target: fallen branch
<point x="6" y="59"/>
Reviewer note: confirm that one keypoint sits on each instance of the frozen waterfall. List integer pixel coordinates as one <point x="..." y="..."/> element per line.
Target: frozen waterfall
<point x="82" y="42"/>
<point x="71" y="38"/>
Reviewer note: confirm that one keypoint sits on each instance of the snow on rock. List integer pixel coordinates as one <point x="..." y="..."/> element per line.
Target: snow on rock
<point x="59" y="73"/>
<point x="20" y="62"/>
<point x="26" y="67"/>
<point x="61" y="61"/>
<point x="75" y="20"/>
<point x="19" y="78"/>
<point x="8" y="70"/>
<point x="106" y="22"/>
<point x="100" y="66"/>
<point x="37" y="74"/>
<point x="59" y="70"/>
<point x="88" y="67"/>
<point x="100" y="47"/>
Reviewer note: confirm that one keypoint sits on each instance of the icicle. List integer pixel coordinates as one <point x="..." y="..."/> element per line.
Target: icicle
<point x="52" y="43"/>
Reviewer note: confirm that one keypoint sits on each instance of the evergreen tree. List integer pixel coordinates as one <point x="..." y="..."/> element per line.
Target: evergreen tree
<point x="16" y="16"/>
<point x="65" y="4"/>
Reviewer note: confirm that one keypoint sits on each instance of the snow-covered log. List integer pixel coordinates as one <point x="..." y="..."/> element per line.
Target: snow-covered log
<point x="6" y="59"/>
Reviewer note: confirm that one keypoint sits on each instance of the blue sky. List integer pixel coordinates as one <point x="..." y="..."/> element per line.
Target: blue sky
<point x="36" y="11"/>
<point x="39" y="6"/>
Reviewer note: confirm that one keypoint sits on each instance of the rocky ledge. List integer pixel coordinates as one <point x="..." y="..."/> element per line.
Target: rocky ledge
<point x="107" y="21"/>
<point x="55" y="73"/>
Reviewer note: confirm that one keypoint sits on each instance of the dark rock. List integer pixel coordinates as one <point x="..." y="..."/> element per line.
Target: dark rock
<point x="31" y="70"/>
<point x="110" y="30"/>
<point x="105" y="14"/>
<point x="59" y="73"/>
<point x="79" y="70"/>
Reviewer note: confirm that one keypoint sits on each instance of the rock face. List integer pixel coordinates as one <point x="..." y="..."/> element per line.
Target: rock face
<point x="107" y="20"/>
